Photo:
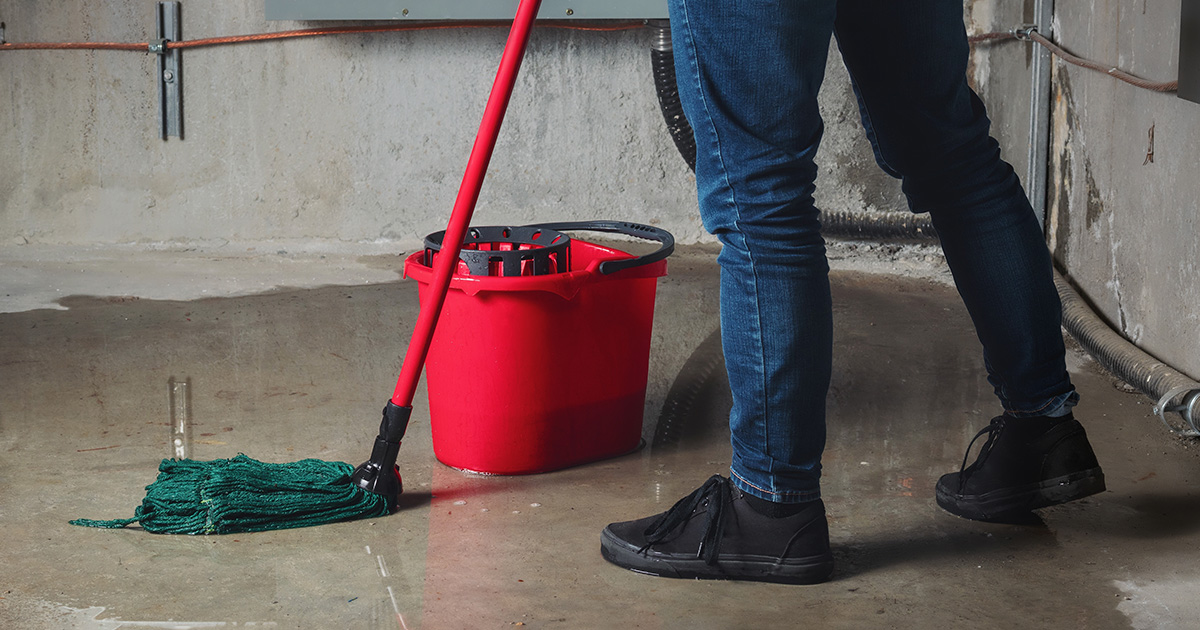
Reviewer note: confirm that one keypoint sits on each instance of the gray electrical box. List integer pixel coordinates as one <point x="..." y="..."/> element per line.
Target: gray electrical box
<point x="461" y="9"/>
<point x="1189" y="51"/>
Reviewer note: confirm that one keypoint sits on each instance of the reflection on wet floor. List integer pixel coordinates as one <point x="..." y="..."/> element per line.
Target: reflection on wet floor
<point x="699" y="393"/>
<point x="85" y="418"/>
<point x="180" y="403"/>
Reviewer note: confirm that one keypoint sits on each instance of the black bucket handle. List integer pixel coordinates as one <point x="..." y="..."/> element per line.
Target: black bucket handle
<point x="627" y="228"/>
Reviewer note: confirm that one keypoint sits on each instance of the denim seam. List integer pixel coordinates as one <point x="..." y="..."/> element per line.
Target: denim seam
<point x="695" y="76"/>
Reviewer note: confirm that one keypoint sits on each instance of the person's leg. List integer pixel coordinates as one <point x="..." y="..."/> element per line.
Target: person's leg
<point x="748" y="77"/>
<point x="748" y="73"/>
<point x="908" y="65"/>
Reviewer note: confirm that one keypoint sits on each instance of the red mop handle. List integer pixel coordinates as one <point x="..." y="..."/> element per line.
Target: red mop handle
<point x="464" y="205"/>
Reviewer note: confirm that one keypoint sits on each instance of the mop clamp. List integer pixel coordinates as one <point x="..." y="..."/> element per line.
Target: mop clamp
<point x="380" y="474"/>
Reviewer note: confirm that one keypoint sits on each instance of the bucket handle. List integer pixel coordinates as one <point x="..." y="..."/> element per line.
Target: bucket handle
<point x="627" y="228"/>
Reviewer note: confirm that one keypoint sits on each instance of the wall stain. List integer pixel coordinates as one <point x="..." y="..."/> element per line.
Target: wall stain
<point x="1095" y="204"/>
<point x="1063" y="122"/>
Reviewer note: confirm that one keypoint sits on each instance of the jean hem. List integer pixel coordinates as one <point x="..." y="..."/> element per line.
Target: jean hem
<point x="1058" y="406"/>
<point x="790" y="496"/>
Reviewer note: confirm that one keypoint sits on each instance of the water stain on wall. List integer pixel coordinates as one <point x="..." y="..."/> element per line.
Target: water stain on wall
<point x="1063" y="123"/>
<point x="1095" y="204"/>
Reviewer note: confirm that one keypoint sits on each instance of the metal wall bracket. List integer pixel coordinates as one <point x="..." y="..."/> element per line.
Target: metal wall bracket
<point x="170" y="70"/>
<point x="1038" y="168"/>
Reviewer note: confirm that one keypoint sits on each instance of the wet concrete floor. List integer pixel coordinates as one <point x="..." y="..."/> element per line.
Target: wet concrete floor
<point x="292" y="374"/>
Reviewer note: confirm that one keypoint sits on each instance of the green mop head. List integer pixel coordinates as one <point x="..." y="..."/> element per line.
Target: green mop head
<point x="226" y="496"/>
<point x="241" y="494"/>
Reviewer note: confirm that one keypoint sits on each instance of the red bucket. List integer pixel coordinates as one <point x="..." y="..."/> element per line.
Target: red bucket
<point x="534" y="373"/>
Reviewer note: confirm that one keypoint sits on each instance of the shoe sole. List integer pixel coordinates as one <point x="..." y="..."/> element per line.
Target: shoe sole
<point x="1007" y="503"/>
<point x="809" y="570"/>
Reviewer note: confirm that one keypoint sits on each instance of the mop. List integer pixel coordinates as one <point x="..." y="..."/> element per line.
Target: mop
<point x="243" y="494"/>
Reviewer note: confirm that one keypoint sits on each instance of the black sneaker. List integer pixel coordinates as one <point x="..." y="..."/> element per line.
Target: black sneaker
<point x="713" y="533"/>
<point x="1025" y="464"/>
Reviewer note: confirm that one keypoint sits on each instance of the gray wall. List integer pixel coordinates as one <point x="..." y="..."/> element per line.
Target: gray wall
<point x="1125" y="227"/>
<point x="347" y="140"/>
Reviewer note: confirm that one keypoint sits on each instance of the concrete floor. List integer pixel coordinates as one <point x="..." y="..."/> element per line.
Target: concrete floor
<point x="294" y="373"/>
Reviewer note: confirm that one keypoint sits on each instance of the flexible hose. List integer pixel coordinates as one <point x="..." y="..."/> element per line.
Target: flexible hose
<point x="889" y="224"/>
<point x="663" y="64"/>
<point x="1125" y="360"/>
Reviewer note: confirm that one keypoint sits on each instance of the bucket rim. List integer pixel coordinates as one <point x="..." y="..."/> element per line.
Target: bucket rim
<point x="565" y="284"/>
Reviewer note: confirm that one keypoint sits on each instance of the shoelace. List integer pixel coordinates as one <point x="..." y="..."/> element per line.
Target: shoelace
<point x="714" y="492"/>
<point x="992" y="430"/>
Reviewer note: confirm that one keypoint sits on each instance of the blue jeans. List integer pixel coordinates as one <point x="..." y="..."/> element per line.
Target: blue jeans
<point x="748" y="73"/>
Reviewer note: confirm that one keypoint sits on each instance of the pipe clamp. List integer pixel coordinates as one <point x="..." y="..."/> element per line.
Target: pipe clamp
<point x="1024" y="32"/>
<point x="1188" y="408"/>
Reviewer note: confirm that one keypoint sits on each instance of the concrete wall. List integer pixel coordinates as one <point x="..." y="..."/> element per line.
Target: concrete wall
<point x="350" y="140"/>
<point x="339" y="140"/>
<point x="345" y="139"/>
<point x="1124" y="225"/>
